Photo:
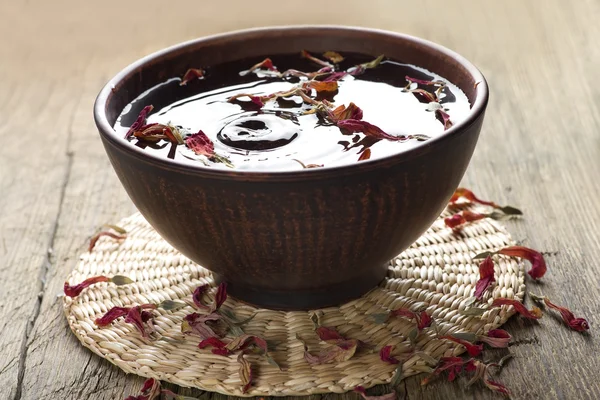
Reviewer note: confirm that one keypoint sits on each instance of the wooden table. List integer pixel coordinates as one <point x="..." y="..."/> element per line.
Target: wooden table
<point x="539" y="150"/>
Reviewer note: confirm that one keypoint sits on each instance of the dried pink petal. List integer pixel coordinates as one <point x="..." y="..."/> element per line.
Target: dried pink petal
<point x="139" y="319"/>
<point x="342" y="112"/>
<point x="424" y="96"/>
<point x="197" y="297"/>
<point x="212" y="342"/>
<point x="423" y="320"/>
<point x="191" y="74"/>
<point x="328" y="334"/>
<point x="244" y="341"/>
<point x="220" y="296"/>
<point x="385" y="354"/>
<point x="111" y="315"/>
<point x="75" y="290"/>
<point x="98" y="235"/>
<point x="498" y="338"/>
<point x="321" y="86"/>
<point x="486" y="277"/>
<point x="444" y="118"/>
<point x="538" y="264"/>
<point x="140" y="121"/>
<point x="149" y="391"/>
<point x="204" y="325"/>
<point x="462" y="218"/>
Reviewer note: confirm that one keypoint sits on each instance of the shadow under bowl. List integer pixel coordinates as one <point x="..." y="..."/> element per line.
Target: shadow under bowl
<point x="303" y="239"/>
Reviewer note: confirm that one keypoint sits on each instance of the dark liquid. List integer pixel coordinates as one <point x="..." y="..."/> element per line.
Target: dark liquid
<point x="274" y="136"/>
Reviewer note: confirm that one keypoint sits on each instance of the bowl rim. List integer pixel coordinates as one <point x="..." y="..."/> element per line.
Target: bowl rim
<point x="108" y="133"/>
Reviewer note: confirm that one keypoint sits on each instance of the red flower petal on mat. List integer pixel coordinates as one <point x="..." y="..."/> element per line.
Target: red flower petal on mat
<point x="140" y="120"/>
<point x="365" y="155"/>
<point x="314" y="59"/>
<point x="538" y="264"/>
<point x="191" y="74"/>
<point x="111" y="315"/>
<point x="473" y="349"/>
<point x="498" y="338"/>
<point x="333" y="353"/>
<point x="254" y="99"/>
<point x="197" y="297"/>
<point x="363" y="393"/>
<point x="212" y="342"/>
<point x="486" y="277"/>
<point x="385" y="354"/>
<point x="200" y="144"/>
<point x="423" y="320"/>
<point x="462" y="218"/>
<point x="322" y="86"/>
<point x="444" y="118"/>
<point x="139" y="319"/>
<point x="577" y="324"/>
<point x="221" y="296"/>
<point x="245" y="372"/>
<point x="244" y="341"/>
<point x="98" y="235"/>
<point x="453" y="365"/>
<point x="534" y="313"/>
<point x="150" y="390"/>
<point x="75" y="290"/>
<point x="328" y="334"/>
<point x="204" y="325"/>
<point x="354" y="126"/>
<point x="352" y="112"/>
<point x="424" y="82"/>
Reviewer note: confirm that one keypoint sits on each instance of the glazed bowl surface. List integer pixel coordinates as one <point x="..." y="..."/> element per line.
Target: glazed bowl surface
<point x="294" y="239"/>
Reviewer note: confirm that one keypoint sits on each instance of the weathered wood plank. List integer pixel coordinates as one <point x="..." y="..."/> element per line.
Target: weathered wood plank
<point x="539" y="150"/>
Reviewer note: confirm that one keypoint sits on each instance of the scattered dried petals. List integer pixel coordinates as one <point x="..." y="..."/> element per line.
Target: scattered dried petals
<point x="333" y="56"/>
<point x="534" y="313"/>
<point x="473" y="349"/>
<point x="191" y="74"/>
<point x="365" y="155"/>
<point x="328" y="334"/>
<point x="385" y="354"/>
<point x="204" y="325"/>
<point x="444" y="118"/>
<point x="245" y="372"/>
<point x="314" y="59"/>
<point x="140" y="319"/>
<point x="363" y="393"/>
<point x="140" y="120"/>
<point x="486" y="277"/>
<point x="454" y="365"/>
<point x="111" y="315"/>
<point x="331" y="354"/>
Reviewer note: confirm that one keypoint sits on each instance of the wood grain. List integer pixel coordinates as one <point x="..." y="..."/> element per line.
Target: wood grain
<point x="539" y="150"/>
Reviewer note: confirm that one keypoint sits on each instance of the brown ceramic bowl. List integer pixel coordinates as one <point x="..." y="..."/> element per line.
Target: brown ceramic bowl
<point x="302" y="239"/>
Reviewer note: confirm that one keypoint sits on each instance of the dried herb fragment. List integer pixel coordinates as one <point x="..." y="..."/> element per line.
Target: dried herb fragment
<point x="355" y="126"/>
<point x="245" y="372"/>
<point x="473" y="349"/>
<point x="577" y="324"/>
<point x="335" y="76"/>
<point x="75" y="290"/>
<point x="219" y="347"/>
<point x="140" y="120"/>
<point x="486" y="277"/>
<point x="171" y="305"/>
<point x="385" y="354"/>
<point x="343" y="351"/>
<point x="444" y="118"/>
<point x="308" y="165"/>
<point x="264" y="64"/>
<point x="365" y="155"/>
<point x="333" y="56"/>
<point x="200" y="144"/>
<point x="538" y="264"/>
<point x="308" y="56"/>
<point x="482" y="373"/>
<point x="424" y="82"/>
<point x="361" y="68"/>
<point x="363" y="393"/>
<point x="534" y="313"/>
<point x="117" y="236"/>
<point x="191" y="74"/>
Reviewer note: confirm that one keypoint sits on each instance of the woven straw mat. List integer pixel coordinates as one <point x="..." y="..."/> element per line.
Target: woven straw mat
<point x="435" y="274"/>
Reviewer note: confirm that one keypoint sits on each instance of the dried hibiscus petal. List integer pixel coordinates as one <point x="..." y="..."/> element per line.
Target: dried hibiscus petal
<point x="577" y="324"/>
<point x="423" y="320"/>
<point x="486" y="277"/>
<point x="538" y="264"/>
<point x="140" y="121"/>
<point x="201" y="144"/>
<point x="328" y="334"/>
<point x="94" y="239"/>
<point x="75" y="290"/>
<point x="191" y="74"/>
<point x="473" y="349"/>
<point x="444" y="118"/>
<point x="331" y="354"/>
<point x="354" y="126"/>
<point x="462" y="193"/>
<point x="308" y="56"/>
<point x="424" y="96"/>
<point x="333" y="56"/>
<point x="322" y="86"/>
<point x="257" y="100"/>
<point x="385" y="354"/>
<point x="204" y="325"/>
<point x="534" y="313"/>
<point x="140" y="319"/>
<point x="363" y="393"/>
<point x="149" y="391"/>
<point x="264" y="64"/>
<point x="220" y="296"/>
<point x="245" y="372"/>
<point x="498" y="338"/>
<point x="111" y="315"/>
<point x="335" y="76"/>
<point x="197" y="297"/>
<point x="462" y="218"/>
<point x="454" y="365"/>
<point x="244" y="341"/>
<point x="365" y="155"/>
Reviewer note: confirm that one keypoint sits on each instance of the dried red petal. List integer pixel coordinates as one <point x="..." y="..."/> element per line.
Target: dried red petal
<point x="453" y="365"/>
<point x="322" y="86"/>
<point x="212" y="342"/>
<point x="314" y="59"/>
<point x="385" y="354"/>
<point x="140" y="120"/>
<point x="244" y="341"/>
<point x="149" y="391"/>
<point x="200" y="144"/>
<point x="469" y="196"/>
<point x="342" y="112"/>
<point x="423" y="320"/>
<point x="424" y="82"/>
<point x="534" y="313"/>
<point x="363" y="393"/>
<point x="353" y="126"/>
<point x="444" y="118"/>
<point x="577" y="324"/>
<point x="258" y="100"/>
<point x="498" y="338"/>
<point x="98" y="235"/>
<point x="221" y="296"/>
<point x="538" y="264"/>
<point x="197" y="297"/>
<point x="473" y="349"/>
<point x="328" y="334"/>
<point x="424" y="96"/>
<point x="462" y="218"/>
<point x="365" y="155"/>
<point x="111" y="315"/>
<point x="333" y="56"/>
<point x="486" y="277"/>
<point x="264" y="64"/>
<point x="75" y="290"/>
<point x="203" y="325"/>
<point x="245" y="372"/>
<point x="136" y="318"/>
<point x="191" y="74"/>
<point x="496" y="386"/>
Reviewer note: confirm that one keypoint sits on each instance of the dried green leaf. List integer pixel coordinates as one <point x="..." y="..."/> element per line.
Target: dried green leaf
<point x="470" y="301"/>
<point x="426" y="357"/>
<point x="536" y="297"/>
<point x="468" y="336"/>
<point x="171" y="305"/>
<point x="412" y="335"/>
<point x="422" y="368"/>
<point x="121" y="280"/>
<point x="508" y="210"/>
<point x="380" y="318"/>
<point x="473" y="312"/>
<point x="116" y="228"/>
<point x="373" y="64"/>
<point x="483" y="255"/>
<point x="398" y="376"/>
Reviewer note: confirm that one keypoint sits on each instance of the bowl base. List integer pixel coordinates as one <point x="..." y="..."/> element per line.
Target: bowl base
<point x="313" y="298"/>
